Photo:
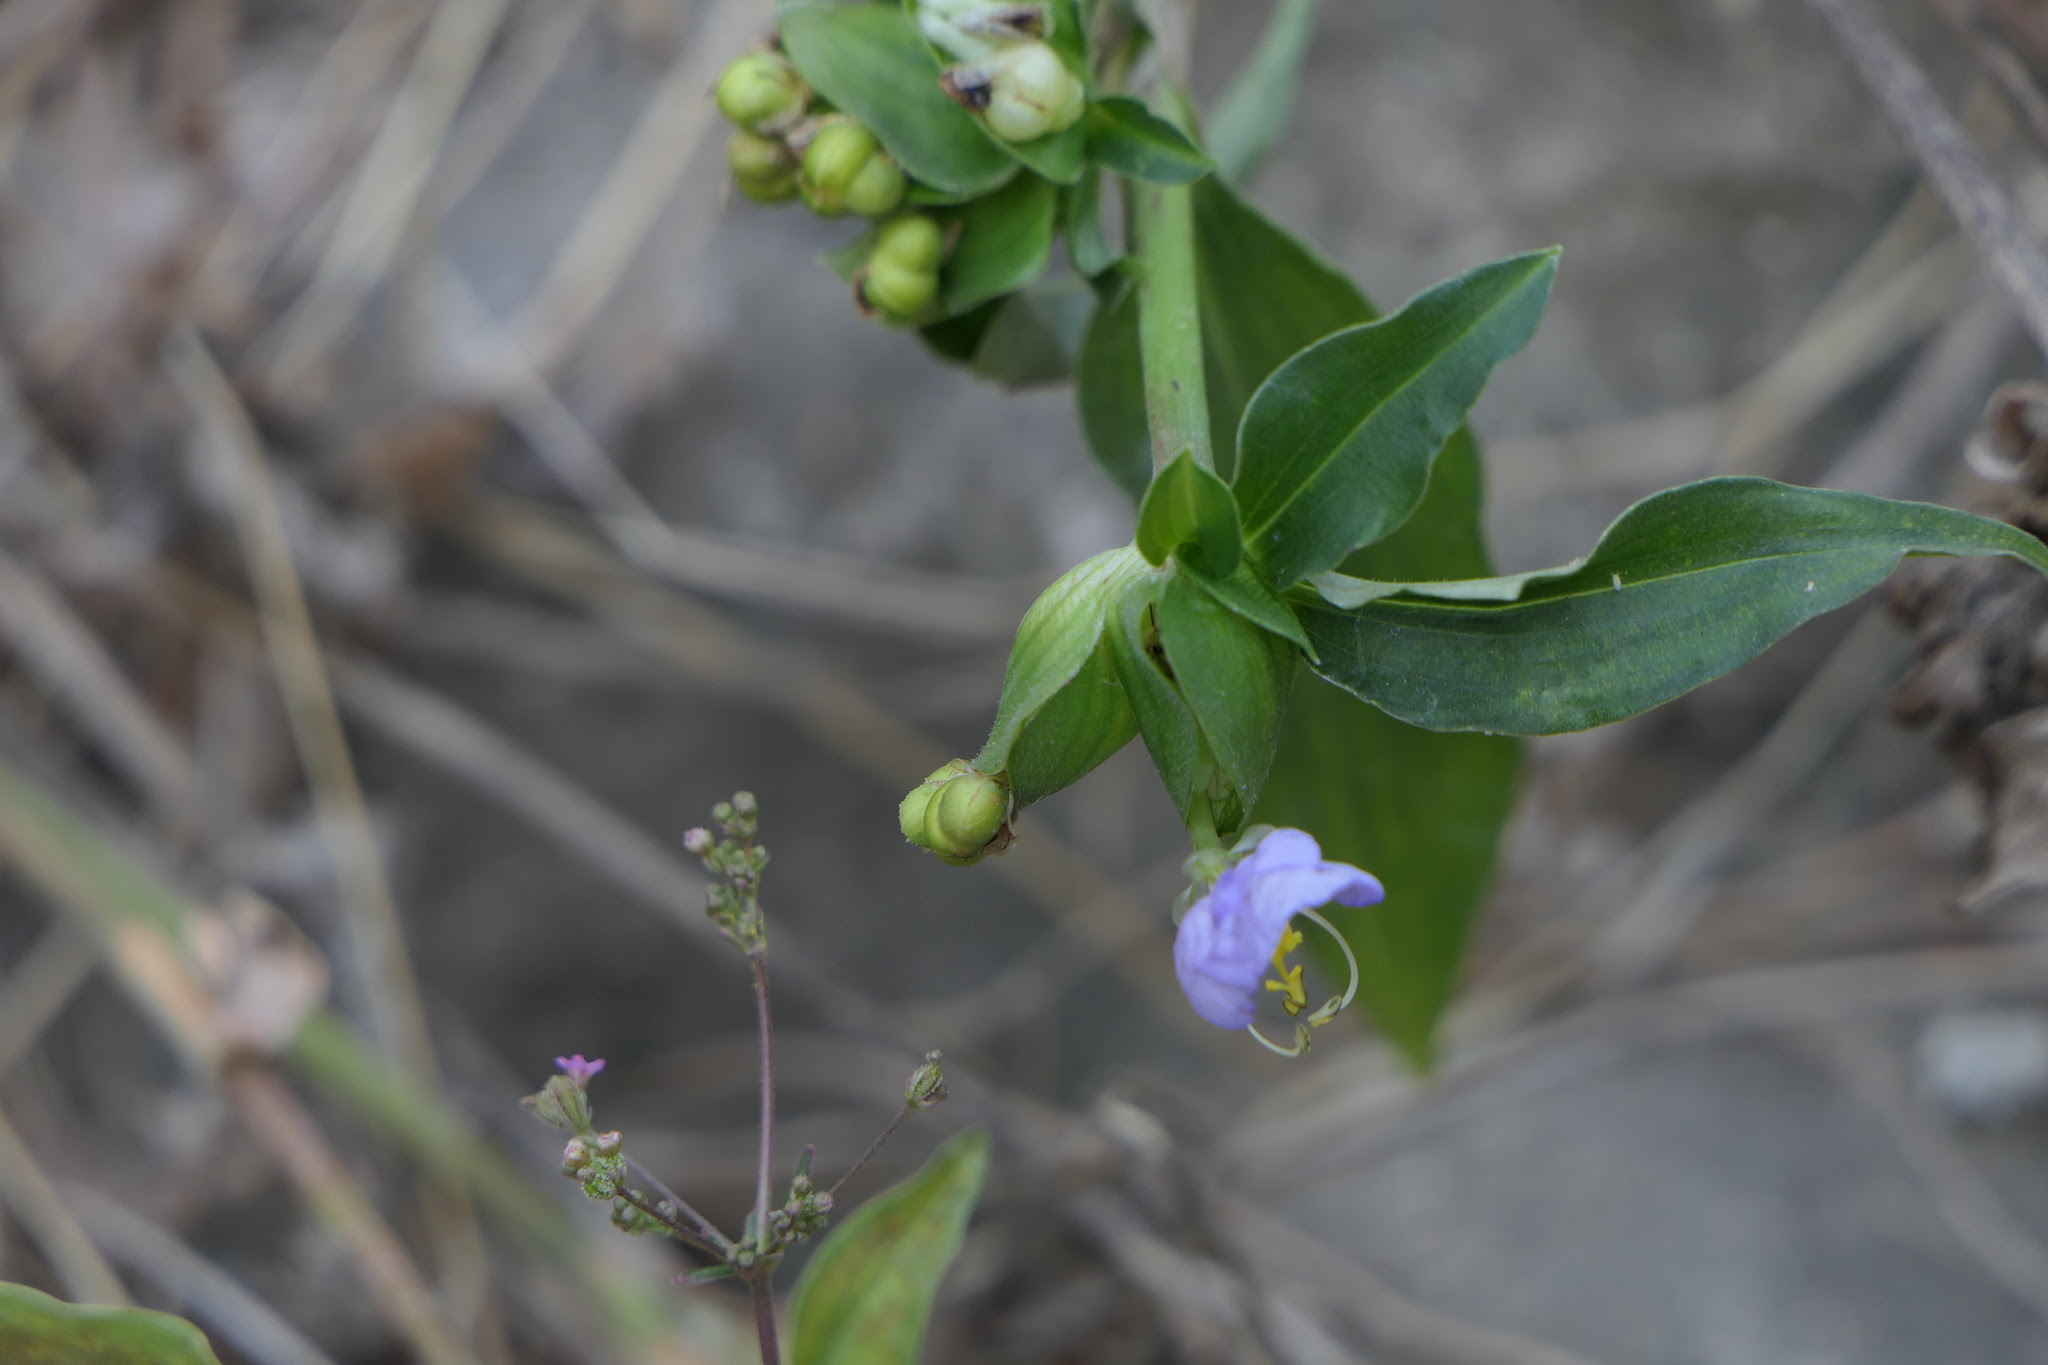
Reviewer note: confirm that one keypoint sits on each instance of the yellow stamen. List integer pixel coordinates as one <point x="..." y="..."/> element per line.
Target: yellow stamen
<point x="1289" y="984"/>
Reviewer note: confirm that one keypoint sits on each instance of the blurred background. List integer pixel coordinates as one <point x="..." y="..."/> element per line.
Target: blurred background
<point x="424" y="493"/>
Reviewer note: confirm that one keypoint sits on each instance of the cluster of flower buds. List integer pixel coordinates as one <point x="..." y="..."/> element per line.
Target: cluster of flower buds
<point x="958" y="813"/>
<point x="734" y="900"/>
<point x="1007" y="73"/>
<point x="807" y="1210"/>
<point x="595" y="1161"/>
<point x="785" y="147"/>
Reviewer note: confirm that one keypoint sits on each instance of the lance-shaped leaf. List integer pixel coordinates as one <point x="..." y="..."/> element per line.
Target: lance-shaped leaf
<point x="36" y="1329"/>
<point x="1062" y="712"/>
<point x="1189" y="505"/>
<point x="1336" y="447"/>
<point x="871" y="61"/>
<point x="1235" y="678"/>
<point x="1109" y="389"/>
<point x="1265" y="294"/>
<point x="1172" y="735"/>
<point x="866" y="1296"/>
<point x="1005" y="242"/>
<point x="1128" y="138"/>
<point x="1683" y="587"/>
<point x="1255" y="110"/>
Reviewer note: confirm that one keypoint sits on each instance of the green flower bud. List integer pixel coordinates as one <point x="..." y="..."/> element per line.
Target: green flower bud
<point x="763" y="92"/>
<point x="837" y="154"/>
<point x="1022" y="92"/>
<point x="896" y="293"/>
<point x="961" y="816"/>
<point x="912" y="242"/>
<point x="927" y="1085"/>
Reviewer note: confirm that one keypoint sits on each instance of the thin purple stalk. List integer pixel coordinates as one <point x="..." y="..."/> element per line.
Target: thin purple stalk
<point x="873" y="1147"/>
<point x="705" y="1229"/>
<point x="759" y="1283"/>
<point x="764" y="1317"/>
<point x="761" y="1233"/>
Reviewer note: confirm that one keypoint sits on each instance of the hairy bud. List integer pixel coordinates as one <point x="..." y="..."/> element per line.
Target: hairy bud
<point x="762" y="92"/>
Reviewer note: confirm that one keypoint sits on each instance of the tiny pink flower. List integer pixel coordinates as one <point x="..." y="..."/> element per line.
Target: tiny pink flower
<point x="578" y="1070"/>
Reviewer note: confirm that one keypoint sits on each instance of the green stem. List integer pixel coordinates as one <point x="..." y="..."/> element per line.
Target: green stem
<point x="1170" y="324"/>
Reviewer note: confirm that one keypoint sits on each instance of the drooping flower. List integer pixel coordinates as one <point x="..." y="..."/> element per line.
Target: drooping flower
<point x="578" y="1070"/>
<point x="1229" y="937"/>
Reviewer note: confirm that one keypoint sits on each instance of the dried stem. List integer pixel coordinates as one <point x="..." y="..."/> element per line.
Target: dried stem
<point x="1952" y="162"/>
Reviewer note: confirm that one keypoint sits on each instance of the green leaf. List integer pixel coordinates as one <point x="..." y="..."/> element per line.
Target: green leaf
<point x="1029" y="338"/>
<point x="1086" y="722"/>
<point x="1005" y="243"/>
<point x="1055" y="655"/>
<point x="1131" y="140"/>
<point x="1172" y="735"/>
<point x="1247" y="594"/>
<point x="1254" y="112"/>
<point x="1423" y="812"/>
<point x="36" y="1329"/>
<point x="1061" y="156"/>
<point x="1235" y="678"/>
<point x="871" y="61"/>
<point x="1109" y="389"/>
<point x="1081" y="217"/>
<point x="1685" y="586"/>
<point x="866" y="1296"/>
<point x="1189" y="505"/>
<point x="1265" y="295"/>
<point x="1336" y="447"/>
<point x="1036" y="336"/>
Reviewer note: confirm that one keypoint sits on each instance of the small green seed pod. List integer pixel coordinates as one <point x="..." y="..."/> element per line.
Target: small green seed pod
<point x="762" y="92"/>
<point x="910" y="814"/>
<point x="878" y="188"/>
<point x="846" y="170"/>
<point x="763" y="168"/>
<point x="911" y="242"/>
<point x="837" y="154"/>
<point x="897" y="293"/>
<point x="963" y="812"/>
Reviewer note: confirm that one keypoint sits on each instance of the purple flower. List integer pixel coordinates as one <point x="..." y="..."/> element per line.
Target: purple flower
<point x="578" y="1070"/>
<point x="1227" y="940"/>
